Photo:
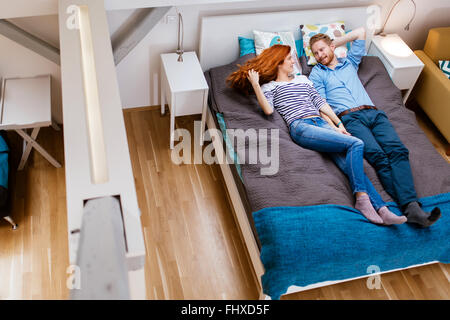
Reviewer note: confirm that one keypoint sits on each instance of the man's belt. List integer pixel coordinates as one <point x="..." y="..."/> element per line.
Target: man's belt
<point x="343" y="113"/>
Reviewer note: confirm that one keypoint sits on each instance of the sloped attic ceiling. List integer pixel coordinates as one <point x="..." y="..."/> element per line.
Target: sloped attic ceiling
<point x="42" y="27"/>
<point x="46" y="27"/>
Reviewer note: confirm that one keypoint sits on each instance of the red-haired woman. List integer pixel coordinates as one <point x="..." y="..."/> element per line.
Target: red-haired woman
<point x="301" y="106"/>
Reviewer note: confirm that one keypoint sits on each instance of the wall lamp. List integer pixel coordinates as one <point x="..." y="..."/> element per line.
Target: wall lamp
<point x="381" y="32"/>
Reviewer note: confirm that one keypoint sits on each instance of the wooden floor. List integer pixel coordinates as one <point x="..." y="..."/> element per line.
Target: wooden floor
<point x="34" y="258"/>
<point x="193" y="247"/>
<point x="194" y="250"/>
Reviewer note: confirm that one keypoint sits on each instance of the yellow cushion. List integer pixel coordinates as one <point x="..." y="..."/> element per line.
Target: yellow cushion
<point x="432" y="92"/>
<point x="437" y="46"/>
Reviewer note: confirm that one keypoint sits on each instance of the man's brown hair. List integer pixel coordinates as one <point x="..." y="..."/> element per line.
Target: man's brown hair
<point x="318" y="37"/>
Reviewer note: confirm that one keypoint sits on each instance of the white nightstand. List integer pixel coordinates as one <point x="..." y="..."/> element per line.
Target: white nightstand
<point x="400" y="61"/>
<point x="185" y="88"/>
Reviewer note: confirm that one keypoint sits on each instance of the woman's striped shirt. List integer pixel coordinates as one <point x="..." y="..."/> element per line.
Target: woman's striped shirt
<point x="294" y="99"/>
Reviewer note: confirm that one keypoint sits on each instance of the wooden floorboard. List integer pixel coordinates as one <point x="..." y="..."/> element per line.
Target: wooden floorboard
<point x="194" y="249"/>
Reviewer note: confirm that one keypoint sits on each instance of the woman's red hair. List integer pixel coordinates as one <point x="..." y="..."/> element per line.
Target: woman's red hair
<point x="266" y="64"/>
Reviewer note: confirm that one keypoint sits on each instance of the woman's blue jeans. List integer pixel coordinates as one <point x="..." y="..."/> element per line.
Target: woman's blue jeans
<point x="346" y="151"/>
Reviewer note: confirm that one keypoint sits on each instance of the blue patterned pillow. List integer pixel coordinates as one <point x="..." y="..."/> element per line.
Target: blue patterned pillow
<point x="444" y="65"/>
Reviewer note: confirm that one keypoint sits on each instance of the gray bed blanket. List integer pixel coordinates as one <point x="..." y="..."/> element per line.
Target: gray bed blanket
<point x="307" y="177"/>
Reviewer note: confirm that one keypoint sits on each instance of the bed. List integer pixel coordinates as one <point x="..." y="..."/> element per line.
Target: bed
<point x="299" y="225"/>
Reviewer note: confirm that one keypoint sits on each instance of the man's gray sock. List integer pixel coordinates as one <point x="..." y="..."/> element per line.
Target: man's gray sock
<point x="415" y="214"/>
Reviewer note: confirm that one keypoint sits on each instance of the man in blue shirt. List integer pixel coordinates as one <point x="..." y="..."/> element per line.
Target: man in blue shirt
<point x="337" y="81"/>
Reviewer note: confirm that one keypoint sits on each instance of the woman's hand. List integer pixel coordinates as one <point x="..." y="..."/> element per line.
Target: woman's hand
<point x="342" y="130"/>
<point x="253" y="77"/>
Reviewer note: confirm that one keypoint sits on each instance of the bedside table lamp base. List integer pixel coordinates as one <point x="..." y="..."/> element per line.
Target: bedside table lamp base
<point x="180" y="50"/>
<point x="180" y="55"/>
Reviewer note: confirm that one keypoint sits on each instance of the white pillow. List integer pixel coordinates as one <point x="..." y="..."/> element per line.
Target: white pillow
<point x="264" y="40"/>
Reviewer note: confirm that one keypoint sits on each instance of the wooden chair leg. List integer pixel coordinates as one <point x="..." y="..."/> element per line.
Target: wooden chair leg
<point x="447" y="150"/>
<point x="11" y="221"/>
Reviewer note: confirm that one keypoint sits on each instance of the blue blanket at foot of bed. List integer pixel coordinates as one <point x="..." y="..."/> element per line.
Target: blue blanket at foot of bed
<point x="307" y="245"/>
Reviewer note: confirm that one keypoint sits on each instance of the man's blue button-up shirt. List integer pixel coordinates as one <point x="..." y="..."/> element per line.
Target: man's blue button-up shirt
<point x="341" y="87"/>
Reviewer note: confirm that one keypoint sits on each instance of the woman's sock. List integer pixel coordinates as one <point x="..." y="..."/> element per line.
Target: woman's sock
<point x="389" y="217"/>
<point x="363" y="204"/>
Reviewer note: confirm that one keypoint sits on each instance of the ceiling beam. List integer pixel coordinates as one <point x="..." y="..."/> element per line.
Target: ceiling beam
<point x="125" y="39"/>
<point x="132" y="31"/>
<point x="26" y="39"/>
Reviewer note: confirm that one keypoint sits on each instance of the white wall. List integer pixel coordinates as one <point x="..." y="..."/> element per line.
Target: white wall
<point x="430" y="14"/>
<point x="138" y="73"/>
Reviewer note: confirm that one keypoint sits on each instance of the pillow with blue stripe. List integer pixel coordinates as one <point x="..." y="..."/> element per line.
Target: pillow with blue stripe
<point x="444" y="65"/>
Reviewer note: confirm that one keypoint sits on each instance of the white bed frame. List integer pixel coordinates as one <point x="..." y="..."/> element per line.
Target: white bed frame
<point x="219" y="46"/>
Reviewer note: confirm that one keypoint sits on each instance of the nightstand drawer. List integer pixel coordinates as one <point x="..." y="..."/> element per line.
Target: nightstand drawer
<point x="187" y="103"/>
<point x="405" y="78"/>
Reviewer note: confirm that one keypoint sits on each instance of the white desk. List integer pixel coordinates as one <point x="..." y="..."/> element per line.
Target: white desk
<point x="26" y="104"/>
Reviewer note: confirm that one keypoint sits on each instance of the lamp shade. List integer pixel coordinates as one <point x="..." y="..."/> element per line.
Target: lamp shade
<point x="396" y="47"/>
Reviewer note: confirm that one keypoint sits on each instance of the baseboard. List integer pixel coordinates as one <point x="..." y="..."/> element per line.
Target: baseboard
<point x="144" y="108"/>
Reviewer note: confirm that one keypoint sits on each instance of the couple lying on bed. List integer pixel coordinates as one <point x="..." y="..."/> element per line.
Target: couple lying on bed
<point x="313" y="124"/>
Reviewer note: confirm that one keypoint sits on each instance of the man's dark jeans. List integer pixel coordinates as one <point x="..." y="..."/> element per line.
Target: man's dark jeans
<point x="384" y="151"/>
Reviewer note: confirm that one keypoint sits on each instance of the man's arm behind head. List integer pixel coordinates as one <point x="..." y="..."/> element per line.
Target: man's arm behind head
<point x="357" y="34"/>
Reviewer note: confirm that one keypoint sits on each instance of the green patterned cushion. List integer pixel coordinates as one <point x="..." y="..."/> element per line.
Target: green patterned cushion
<point x="445" y="67"/>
